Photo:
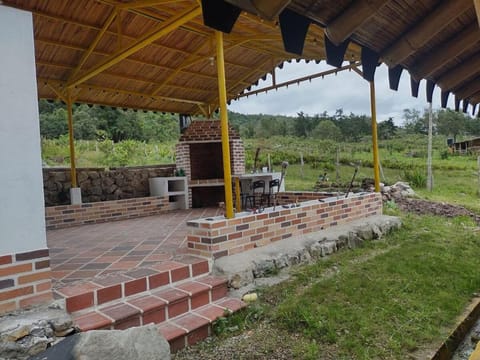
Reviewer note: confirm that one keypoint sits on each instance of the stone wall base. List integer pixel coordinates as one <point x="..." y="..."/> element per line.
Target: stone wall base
<point x="242" y="269"/>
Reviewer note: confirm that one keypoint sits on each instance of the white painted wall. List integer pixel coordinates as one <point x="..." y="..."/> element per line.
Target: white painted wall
<point x="22" y="220"/>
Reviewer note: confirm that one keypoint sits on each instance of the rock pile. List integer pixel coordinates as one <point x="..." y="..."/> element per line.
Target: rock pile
<point x="29" y="332"/>
<point x="397" y="190"/>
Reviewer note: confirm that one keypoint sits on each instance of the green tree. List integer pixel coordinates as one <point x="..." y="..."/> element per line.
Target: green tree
<point x="414" y="123"/>
<point x="327" y="130"/>
<point x="53" y="124"/>
<point x="386" y="129"/>
<point x="451" y="123"/>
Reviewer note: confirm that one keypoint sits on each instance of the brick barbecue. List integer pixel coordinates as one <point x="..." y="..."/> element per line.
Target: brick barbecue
<point x="199" y="154"/>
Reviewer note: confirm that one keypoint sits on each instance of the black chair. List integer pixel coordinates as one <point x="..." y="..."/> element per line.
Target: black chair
<point x="258" y="191"/>
<point x="273" y="188"/>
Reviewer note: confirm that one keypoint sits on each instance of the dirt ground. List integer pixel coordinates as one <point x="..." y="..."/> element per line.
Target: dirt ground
<point x="420" y="206"/>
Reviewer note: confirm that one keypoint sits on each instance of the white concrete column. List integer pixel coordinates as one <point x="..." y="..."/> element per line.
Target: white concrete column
<point x="22" y="219"/>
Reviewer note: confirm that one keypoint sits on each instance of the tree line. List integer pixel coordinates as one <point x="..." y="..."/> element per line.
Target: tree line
<point x="102" y="123"/>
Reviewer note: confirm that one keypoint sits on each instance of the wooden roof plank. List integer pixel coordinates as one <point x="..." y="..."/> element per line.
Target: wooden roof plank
<point x="164" y="29"/>
<point x="417" y="36"/>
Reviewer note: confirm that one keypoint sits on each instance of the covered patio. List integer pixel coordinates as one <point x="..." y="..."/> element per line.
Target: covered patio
<point x="191" y="58"/>
<point x="84" y="252"/>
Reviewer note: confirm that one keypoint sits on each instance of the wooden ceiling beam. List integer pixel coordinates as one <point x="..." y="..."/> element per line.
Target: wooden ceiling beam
<point x="469" y="89"/>
<point x="94" y="43"/>
<point x="132" y="59"/>
<point x="61" y="85"/>
<point x="143" y="3"/>
<point x="446" y="52"/>
<point x="301" y="79"/>
<point x="134" y="78"/>
<point x="166" y="28"/>
<point x="425" y="30"/>
<point x="252" y="46"/>
<point x="453" y="78"/>
<point x="344" y="25"/>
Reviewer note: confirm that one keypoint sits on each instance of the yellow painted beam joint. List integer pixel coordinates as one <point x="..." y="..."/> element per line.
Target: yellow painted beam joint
<point x="222" y="92"/>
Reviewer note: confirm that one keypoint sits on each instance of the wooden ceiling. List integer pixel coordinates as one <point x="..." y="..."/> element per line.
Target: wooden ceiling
<point x="150" y="54"/>
<point x="158" y="54"/>
<point x="436" y="40"/>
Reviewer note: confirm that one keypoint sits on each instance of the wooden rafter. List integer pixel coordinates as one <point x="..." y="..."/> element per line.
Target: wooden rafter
<point x="63" y="85"/>
<point x="297" y="81"/>
<point x="146" y="40"/>
<point x="445" y="52"/>
<point x="143" y="3"/>
<point x="452" y="79"/>
<point x="94" y="43"/>
<point x="420" y="34"/>
<point x="359" y="12"/>
<point x="469" y="89"/>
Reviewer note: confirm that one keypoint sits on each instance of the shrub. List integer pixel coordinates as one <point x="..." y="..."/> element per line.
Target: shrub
<point x="416" y="178"/>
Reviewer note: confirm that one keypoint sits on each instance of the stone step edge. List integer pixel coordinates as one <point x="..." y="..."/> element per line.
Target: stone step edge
<point x="100" y="317"/>
<point x="195" y="326"/>
<point x="89" y="294"/>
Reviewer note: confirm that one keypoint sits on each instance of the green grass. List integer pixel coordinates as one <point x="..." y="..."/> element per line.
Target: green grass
<point x="385" y="300"/>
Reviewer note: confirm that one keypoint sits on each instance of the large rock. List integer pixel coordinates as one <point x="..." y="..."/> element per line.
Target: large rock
<point x="138" y="343"/>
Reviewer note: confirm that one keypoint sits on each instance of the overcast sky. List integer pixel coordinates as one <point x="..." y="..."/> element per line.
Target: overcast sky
<point x="345" y="90"/>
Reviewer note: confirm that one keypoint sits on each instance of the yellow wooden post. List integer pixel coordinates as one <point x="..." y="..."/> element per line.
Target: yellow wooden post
<point x="376" y="161"/>
<point x="73" y="169"/>
<point x="222" y="97"/>
<point x="238" y="202"/>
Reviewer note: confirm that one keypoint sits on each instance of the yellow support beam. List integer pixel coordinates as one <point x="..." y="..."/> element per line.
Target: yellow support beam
<point x="477" y="9"/>
<point x="73" y="169"/>
<point x="143" y="3"/>
<point x="238" y="200"/>
<point x="94" y="44"/>
<point x="167" y="27"/>
<point x="376" y="161"/>
<point x="222" y="92"/>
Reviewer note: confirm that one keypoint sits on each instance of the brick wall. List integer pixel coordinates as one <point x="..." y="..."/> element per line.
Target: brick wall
<point x="99" y="184"/>
<point x="300" y="196"/>
<point x="58" y="217"/>
<point x="24" y="280"/>
<point x="237" y="158"/>
<point x="221" y="237"/>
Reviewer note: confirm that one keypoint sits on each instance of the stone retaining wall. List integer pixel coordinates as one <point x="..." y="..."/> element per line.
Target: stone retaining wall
<point x="57" y="217"/>
<point x="218" y="237"/>
<point x="100" y="184"/>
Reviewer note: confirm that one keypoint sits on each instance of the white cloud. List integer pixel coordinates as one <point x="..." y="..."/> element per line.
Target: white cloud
<point x="346" y="90"/>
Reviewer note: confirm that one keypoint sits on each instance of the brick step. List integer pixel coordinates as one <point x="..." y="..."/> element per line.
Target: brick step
<point x="153" y="306"/>
<point x="120" y="286"/>
<point x="195" y="326"/>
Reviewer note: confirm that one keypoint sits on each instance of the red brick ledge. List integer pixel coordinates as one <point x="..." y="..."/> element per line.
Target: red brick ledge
<point x="25" y="280"/>
<point x="218" y="237"/>
<point x="64" y="216"/>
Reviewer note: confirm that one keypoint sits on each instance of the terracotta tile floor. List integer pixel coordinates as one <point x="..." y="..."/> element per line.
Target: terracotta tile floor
<point x="88" y="251"/>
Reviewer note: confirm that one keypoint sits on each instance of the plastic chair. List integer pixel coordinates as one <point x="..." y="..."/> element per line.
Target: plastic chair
<point x="258" y="190"/>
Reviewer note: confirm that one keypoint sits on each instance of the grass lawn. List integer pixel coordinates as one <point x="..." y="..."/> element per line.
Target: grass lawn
<point x="390" y="299"/>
